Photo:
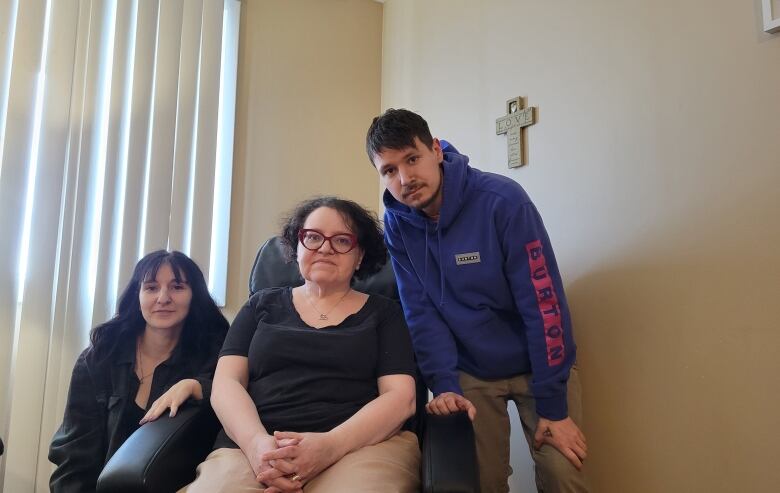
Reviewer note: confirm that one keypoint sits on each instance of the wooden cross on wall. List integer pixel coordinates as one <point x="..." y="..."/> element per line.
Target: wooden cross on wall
<point x="513" y="124"/>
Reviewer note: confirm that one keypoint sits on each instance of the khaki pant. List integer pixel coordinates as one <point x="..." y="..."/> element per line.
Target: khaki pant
<point x="554" y="473"/>
<point x="392" y="466"/>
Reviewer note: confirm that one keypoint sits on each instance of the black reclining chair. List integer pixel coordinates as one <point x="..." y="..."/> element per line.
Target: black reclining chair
<point x="161" y="456"/>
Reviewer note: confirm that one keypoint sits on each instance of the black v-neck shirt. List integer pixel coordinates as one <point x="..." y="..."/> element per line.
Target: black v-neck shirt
<point x="311" y="380"/>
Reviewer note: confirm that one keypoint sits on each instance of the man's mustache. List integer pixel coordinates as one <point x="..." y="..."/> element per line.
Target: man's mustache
<point x="411" y="188"/>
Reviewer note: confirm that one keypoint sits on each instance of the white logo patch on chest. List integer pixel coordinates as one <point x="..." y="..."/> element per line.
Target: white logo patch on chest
<point x="467" y="258"/>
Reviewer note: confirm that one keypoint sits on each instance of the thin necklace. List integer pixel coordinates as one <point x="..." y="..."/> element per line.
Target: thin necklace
<point x="139" y="356"/>
<point x="324" y="316"/>
<point x="141" y="363"/>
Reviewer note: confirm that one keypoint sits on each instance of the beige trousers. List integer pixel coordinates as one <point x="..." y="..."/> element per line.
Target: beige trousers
<point x="554" y="473"/>
<point x="392" y="466"/>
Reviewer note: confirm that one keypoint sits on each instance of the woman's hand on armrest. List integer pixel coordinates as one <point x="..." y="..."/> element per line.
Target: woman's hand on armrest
<point x="173" y="399"/>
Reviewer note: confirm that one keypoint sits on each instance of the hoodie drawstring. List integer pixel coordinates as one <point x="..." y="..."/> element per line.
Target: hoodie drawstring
<point x="425" y="263"/>
<point x="442" y="264"/>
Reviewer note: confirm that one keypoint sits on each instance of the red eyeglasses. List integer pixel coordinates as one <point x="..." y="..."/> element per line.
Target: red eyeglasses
<point x="311" y="239"/>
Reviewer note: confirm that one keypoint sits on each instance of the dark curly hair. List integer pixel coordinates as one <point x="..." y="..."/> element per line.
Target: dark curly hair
<point x="362" y="222"/>
<point x="204" y="327"/>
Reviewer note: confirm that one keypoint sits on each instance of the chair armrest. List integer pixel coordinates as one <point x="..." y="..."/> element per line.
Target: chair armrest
<point x="161" y="455"/>
<point x="449" y="455"/>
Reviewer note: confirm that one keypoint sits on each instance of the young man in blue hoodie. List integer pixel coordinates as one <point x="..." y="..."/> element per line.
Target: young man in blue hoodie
<point x="483" y="299"/>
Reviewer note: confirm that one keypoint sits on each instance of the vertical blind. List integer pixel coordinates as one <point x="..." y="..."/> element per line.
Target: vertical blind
<point x="116" y="139"/>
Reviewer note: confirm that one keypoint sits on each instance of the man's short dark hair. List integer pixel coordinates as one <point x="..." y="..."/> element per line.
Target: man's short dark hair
<point x="396" y="129"/>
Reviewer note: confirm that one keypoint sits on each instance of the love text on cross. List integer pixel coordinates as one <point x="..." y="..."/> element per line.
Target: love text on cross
<point x="513" y="124"/>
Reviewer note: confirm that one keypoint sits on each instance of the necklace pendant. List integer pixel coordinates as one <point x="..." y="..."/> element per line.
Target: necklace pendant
<point x="323" y="316"/>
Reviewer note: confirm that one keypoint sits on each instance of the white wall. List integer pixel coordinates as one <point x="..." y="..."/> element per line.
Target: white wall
<point x="656" y="166"/>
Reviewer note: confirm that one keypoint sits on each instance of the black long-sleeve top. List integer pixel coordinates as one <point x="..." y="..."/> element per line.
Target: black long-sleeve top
<point x="100" y="411"/>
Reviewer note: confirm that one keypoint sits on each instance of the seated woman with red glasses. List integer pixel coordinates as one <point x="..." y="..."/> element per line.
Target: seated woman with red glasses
<point x="314" y="383"/>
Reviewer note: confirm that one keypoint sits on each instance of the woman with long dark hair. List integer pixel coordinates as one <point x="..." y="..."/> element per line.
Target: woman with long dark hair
<point x="158" y="351"/>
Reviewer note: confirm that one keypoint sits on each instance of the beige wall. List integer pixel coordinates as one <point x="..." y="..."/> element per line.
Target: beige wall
<point x="656" y="165"/>
<point x="308" y="86"/>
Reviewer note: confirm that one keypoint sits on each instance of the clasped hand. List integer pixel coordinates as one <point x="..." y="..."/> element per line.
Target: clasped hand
<point x="293" y="459"/>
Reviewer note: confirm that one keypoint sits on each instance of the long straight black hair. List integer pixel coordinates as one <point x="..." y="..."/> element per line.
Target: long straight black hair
<point x="204" y="327"/>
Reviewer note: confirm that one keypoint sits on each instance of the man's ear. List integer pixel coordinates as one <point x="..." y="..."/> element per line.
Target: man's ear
<point x="436" y="146"/>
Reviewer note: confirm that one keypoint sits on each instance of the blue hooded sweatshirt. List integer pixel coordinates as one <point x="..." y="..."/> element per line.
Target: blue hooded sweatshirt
<point x="480" y="288"/>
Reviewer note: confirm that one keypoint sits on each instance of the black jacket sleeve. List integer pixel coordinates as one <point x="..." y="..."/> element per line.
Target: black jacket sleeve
<point x="79" y="446"/>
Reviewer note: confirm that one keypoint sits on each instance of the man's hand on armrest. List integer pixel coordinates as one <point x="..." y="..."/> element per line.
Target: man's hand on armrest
<point x="450" y="403"/>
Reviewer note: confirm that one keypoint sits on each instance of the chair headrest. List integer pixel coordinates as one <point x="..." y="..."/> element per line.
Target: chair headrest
<point x="272" y="269"/>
